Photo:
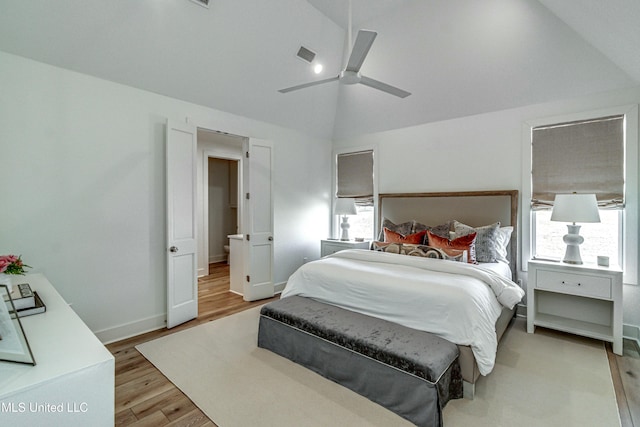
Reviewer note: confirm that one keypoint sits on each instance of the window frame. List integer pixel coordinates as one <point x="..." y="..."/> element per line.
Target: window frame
<point x="628" y="224"/>
<point x="335" y="219"/>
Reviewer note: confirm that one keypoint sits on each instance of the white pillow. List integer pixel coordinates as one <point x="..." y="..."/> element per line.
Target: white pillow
<point x="503" y="238"/>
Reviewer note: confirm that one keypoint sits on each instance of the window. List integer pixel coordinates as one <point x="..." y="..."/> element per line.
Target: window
<point x="355" y="179"/>
<point x="599" y="239"/>
<point x="585" y="156"/>
<point x="362" y="225"/>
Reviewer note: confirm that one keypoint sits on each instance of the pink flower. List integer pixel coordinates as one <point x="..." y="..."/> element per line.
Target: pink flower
<point x="12" y="264"/>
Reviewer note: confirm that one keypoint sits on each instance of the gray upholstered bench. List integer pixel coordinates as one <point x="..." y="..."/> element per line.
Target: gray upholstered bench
<point x="410" y="372"/>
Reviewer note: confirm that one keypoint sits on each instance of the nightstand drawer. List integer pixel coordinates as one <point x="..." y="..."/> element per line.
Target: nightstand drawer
<point x="575" y="284"/>
<point x="330" y="248"/>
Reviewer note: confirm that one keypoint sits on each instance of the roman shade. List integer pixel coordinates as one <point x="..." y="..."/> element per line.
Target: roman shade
<point x="582" y="157"/>
<point x="355" y="177"/>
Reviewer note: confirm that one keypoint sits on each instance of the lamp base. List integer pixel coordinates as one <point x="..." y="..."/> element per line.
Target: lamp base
<point x="573" y="239"/>
<point x="345" y="228"/>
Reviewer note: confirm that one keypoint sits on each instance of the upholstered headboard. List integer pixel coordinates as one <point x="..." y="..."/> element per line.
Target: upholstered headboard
<point x="475" y="208"/>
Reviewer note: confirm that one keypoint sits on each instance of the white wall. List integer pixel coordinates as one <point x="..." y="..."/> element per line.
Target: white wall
<point x="82" y="167"/>
<point x="478" y="153"/>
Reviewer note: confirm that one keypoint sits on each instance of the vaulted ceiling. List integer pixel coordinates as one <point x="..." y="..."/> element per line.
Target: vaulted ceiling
<point x="456" y="57"/>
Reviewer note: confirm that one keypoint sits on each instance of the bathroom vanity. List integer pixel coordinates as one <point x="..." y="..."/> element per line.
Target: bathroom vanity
<point x="235" y="263"/>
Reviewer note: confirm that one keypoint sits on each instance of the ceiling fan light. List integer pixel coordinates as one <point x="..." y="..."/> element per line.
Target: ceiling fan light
<point x="349" y="77"/>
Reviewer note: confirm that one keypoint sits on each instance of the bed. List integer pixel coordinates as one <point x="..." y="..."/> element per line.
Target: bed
<point x="334" y="280"/>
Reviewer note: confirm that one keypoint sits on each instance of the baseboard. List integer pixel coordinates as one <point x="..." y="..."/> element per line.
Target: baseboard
<point x="217" y="258"/>
<point x="631" y="332"/>
<point x="279" y="287"/>
<point x="139" y="327"/>
<point x="128" y="330"/>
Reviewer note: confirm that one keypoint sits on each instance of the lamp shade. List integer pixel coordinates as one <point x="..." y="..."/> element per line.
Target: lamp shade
<point x="345" y="206"/>
<point x="575" y="208"/>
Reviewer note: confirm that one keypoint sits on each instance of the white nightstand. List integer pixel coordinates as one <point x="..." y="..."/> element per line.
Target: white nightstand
<point x="580" y="299"/>
<point x="328" y="246"/>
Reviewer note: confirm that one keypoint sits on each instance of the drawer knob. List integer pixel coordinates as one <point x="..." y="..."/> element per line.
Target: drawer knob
<point x="565" y="283"/>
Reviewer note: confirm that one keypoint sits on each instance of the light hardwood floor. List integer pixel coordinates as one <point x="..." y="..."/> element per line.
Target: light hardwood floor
<point x="144" y="397"/>
<point x="625" y="372"/>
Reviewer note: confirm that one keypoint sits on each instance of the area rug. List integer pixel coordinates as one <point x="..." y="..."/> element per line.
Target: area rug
<point x="541" y="379"/>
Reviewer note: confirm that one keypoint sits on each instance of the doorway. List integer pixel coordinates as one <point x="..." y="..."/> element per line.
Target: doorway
<point x="222" y="187"/>
<point x="219" y="213"/>
<point x="188" y="149"/>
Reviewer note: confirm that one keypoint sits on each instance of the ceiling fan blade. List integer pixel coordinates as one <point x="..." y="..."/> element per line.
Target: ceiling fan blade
<point x="360" y="49"/>
<point x="302" y="86"/>
<point x="384" y="87"/>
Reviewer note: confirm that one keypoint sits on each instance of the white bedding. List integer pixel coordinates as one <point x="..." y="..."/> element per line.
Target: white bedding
<point x="502" y="268"/>
<point x="457" y="301"/>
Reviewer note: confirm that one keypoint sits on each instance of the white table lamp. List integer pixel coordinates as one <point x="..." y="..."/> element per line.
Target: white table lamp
<point x="344" y="207"/>
<point x="574" y="208"/>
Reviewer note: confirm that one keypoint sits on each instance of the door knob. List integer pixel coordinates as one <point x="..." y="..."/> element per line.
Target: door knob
<point x="173" y="249"/>
<point x="271" y="238"/>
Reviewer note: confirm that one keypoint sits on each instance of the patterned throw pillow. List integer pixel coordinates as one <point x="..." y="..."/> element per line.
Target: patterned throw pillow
<point x="431" y="252"/>
<point x="486" y="239"/>
<point x="393" y="237"/>
<point x="404" y="228"/>
<point x="464" y="243"/>
<point x="418" y="250"/>
<point x="394" y="248"/>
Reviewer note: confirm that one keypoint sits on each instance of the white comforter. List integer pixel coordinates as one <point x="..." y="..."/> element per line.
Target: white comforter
<point x="456" y="301"/>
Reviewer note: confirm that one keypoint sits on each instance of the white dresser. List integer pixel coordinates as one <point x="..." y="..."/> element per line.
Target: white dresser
<point x="580" y="299"/>
<point x="72" y="383"/>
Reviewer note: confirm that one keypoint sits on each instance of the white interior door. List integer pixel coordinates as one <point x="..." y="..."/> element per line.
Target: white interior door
<point x="258" y="220"/>
<point x="182" y="284"/>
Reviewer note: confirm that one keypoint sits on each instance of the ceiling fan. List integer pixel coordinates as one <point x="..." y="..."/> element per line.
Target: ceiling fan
<point x="351" y="74"/>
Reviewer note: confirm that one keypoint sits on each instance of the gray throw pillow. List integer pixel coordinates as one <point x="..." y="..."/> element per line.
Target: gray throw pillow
<point x="486" y="239"/>
<point x="441" y="230"/>
<point x="405" y="228"/>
